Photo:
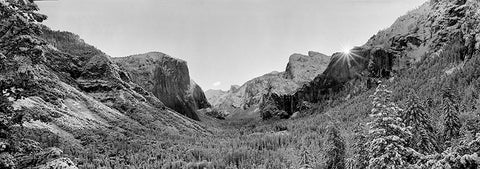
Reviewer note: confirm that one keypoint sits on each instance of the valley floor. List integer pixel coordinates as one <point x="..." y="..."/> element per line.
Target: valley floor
<point x="232" y="143"/>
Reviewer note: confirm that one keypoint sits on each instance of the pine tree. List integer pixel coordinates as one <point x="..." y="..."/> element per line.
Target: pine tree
<point x="388" y="147"/>
<point x="418" y="120"/>
<point x="334" y="149"/>
<point x="360" y="152"/>
<point x="451" y="122"/>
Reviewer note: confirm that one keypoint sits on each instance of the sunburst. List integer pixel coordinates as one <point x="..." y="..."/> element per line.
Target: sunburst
<point x="348" y="55"/>
<point x="347" y="50"/>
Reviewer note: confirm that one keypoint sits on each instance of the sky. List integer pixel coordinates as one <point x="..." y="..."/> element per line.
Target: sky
<point x="225" y="42"/>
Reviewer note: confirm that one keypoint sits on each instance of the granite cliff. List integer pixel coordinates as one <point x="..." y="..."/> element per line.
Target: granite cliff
<point x="167" y="78"/>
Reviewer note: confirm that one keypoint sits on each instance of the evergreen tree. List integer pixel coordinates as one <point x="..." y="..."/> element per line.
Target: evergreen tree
<point x="451" y="122"/>
<point x="334" y="149"/>
<point x="360" y="152"/>
<point x="388" y="147"/>
<point x="418" y="120"/>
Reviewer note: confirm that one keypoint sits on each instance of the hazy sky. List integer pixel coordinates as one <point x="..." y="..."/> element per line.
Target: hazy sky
<point x="225" y="42"/>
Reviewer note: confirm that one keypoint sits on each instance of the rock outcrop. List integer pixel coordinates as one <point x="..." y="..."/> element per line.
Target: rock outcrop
<point x="167" y="78"/>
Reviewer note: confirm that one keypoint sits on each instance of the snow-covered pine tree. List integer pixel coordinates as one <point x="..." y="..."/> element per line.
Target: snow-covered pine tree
<point x="334" y="149"/>
<point x="462" y="155"/>
<point x="387" y="144"/>
<point x="416" y="117"/>
<point x="451" y="122"/>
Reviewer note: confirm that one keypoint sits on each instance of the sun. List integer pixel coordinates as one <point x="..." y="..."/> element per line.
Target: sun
<point x="348" y="56"/>
<point x="347" y="50"/>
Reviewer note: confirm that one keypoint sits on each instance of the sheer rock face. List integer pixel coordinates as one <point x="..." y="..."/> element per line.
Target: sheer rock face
<point x="199" y="99"/>
<point x="300" y="70"/>
<point x="167" y="78"/>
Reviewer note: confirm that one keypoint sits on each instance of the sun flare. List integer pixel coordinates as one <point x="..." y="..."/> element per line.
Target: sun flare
<point x="346" y="50"/>
<point x="348" y="56"/>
